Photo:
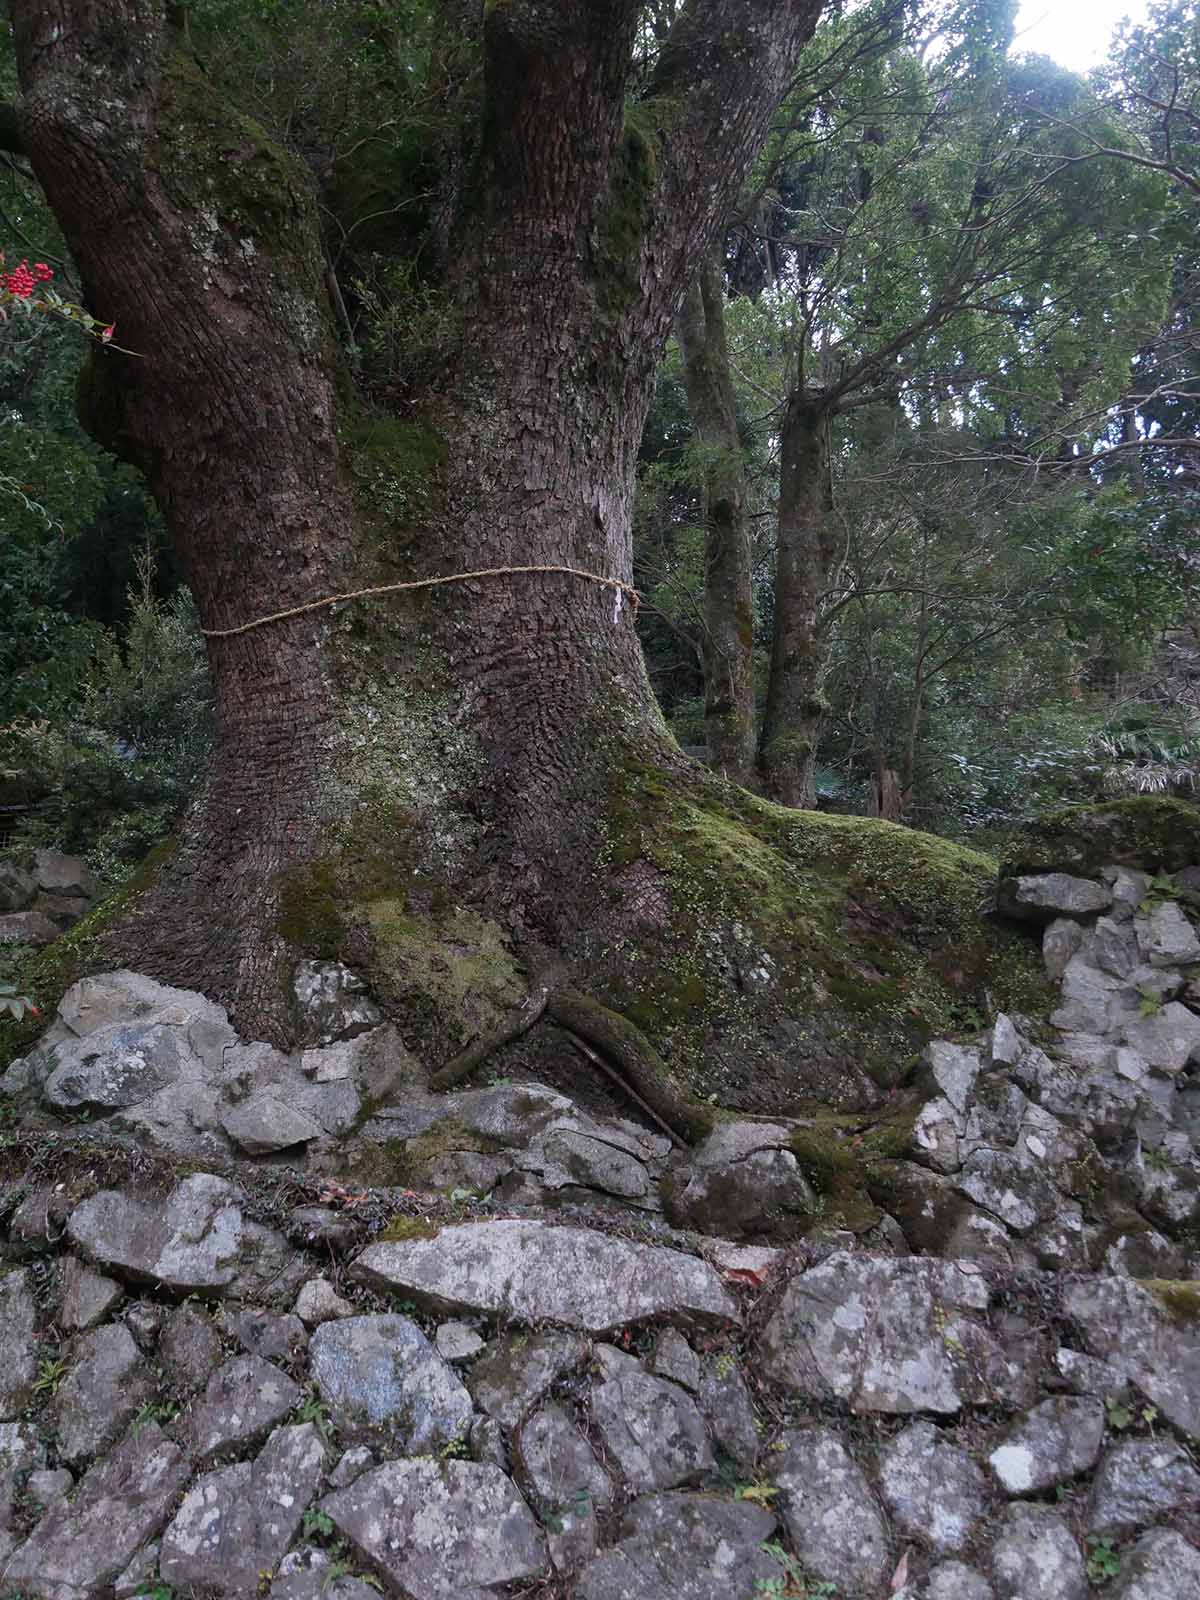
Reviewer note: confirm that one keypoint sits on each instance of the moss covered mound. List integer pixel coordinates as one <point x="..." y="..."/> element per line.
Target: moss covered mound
<point x="1155" y="834"/>
<point x="780" y="958"/>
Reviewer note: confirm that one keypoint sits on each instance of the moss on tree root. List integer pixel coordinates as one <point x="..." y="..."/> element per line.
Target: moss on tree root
<point x="822" y="947"/>
<point x="739" y="953"/>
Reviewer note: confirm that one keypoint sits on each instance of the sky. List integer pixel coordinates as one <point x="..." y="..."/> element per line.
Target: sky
<point x="1074" y="32"/>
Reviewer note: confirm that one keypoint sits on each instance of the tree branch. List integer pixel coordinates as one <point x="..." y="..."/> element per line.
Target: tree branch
<point x="711" y="108"/>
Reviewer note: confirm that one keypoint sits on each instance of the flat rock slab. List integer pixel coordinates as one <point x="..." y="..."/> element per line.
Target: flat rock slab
<point x="18" y="1343"/>
<point x="306" y="1574"/>
<point x="724" y="1398"/>
<point x="381" y="1374"/>
<point x="272" y="1335"/>
<point x="954" y="1068"/>
<point x="831" y="1516"/>
<point x="1165" y="936"/>
<point x="884" y="1335"/>
<point x="117" y="1067"/>
<point x="1040" y="897"/>
<point x="742" y="1179"/>
<point x="1018" y="1194"/>
<point x="685" y="1547"/>
<point x="514" y="1372"/>
<point x="1167" y="1040"/>
<point x="1161" y="1566"/>
<point x="1035" y="1557"/>
<point x="440" y="1530"/>
<point x="264" y="1124"/>
<point x="932" y="1488"/>
<point x="189" y="1245"/>
<point x="1158" y="1349"/>
<point x="535" y="1272"/>
<point x="1139" y="1481"/>
<point x="27" y="927"/>
<point x="87" y="1296"/>
<point x="235" y="1523"/>
<point x="17" y="887"/>
<point x="111" y="998"/>
<point x="559" y="1464"/>
<point x="20" y="1453"/>
<point x="1055" y="1441"/>
<point x="81" y="1545"/>
<point x="242" y="1402"/>
<point x="56" y="873"/>
<point x="189" y="1349"/>
<point x="952" y="1580"/>
<point x="106" y="1387"/>
<point x="652" y="1430"/>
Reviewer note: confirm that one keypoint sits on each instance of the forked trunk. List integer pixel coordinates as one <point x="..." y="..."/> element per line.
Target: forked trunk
<point x="455" y="745"/>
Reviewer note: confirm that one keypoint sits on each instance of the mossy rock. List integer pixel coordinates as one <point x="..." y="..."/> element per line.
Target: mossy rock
<point x="449" y="968"/>
<point x="1149" y="832"/>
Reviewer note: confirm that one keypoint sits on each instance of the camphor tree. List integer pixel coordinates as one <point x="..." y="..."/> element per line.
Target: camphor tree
<point x="466" y="789"/>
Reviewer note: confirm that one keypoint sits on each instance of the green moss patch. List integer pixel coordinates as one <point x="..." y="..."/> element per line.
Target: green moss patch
<point x="451" y="967"/>
<point x="401" y="1229"/>
<point x="1179" y="1297"/>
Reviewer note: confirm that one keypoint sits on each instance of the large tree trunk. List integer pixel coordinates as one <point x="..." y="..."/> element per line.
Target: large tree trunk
<point x="460" y="743"/>
<point x="806" y="555"/>
<point x="729" y="704"/>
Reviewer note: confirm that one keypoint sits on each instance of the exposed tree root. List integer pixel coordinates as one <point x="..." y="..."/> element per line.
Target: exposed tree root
<point x="609" y="1041"/>
<point x="601" y="1065"/>
<point x="641" y="1070"/>
<point x="514" y="1025"/>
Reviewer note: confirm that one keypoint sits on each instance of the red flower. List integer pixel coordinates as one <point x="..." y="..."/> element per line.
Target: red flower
<point x="107" y="333"/>
<point x="42" y="272"/>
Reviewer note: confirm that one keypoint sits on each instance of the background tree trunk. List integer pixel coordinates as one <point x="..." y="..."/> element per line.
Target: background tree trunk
<point x="806" y="554"/>
<point x="729" y="702"/>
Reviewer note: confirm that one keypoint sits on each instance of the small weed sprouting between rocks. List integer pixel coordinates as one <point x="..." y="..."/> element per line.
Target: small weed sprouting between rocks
<point x="160" y="1411"/>
<point x="761" y="1493"/>
<point x="51" y="1372"/>
<point x="317" y="1524"/>
<point x="1103" y="1562"/>
<point x="1120" y="1416"/>
<point x="792" y="1583"/>
<point x="314" y="1410"/>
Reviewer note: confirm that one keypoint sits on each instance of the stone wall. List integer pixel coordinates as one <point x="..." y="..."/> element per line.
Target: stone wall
<point x="296" y="1327"/>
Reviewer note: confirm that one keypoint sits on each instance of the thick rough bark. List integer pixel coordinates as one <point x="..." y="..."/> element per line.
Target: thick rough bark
<point x="806" y="554"/>
<point x="230" y="410"/>
<point x="729" y="705"/>
<point x="465" y="740"/>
